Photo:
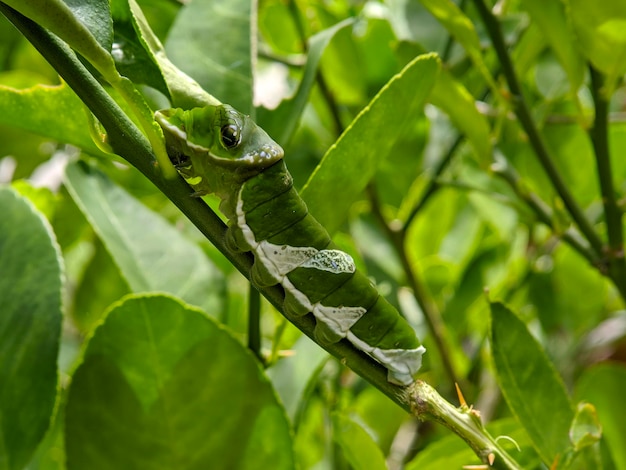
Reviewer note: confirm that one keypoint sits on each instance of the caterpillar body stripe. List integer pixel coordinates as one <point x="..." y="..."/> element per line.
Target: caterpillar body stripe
<point x="219" y="150"/>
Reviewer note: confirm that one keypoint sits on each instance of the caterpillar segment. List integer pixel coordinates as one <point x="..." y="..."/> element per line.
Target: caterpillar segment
<point x="219" y="150"/>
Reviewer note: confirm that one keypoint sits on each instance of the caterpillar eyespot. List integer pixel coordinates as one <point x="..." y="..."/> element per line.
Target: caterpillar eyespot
<point x="230" y="135"/>
<point x="226" y="153"/>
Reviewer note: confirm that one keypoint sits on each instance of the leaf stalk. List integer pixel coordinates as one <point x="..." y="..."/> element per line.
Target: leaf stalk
<point x="613" y="214"/>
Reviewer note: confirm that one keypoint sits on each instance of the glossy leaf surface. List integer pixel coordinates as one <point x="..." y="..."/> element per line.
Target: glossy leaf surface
<point x="30" y="326"/>
<point x="150" y="253"/>
<point x="526" y="376"/>
<point x="367" y="141"/>
<point x="150" y="394"/>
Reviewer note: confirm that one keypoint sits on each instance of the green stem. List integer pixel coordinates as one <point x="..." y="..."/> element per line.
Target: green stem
<point x="330" y="101"/>
<point x="613" y="215"/>
<point x="254" y="323"/>
<point x="433" y="184"/>
<point x="523" y="114"/>
<point x="295" y="14"/>
<point x="465" y="422"/>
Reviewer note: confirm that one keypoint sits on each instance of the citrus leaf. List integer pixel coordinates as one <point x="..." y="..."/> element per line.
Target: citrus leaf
<point x="150" y="253"/>
<point x="601" y="35"/>
<point x="30" y="327"/>
<point x="86" y="27"/>
<point x="51" y="111"/>
<point x="552" y="22"/>
<point x="292" y="375"/>
<point x="453" y="98"/>
<point x="131" y="51"/>
<point x="586" y="429"/>
<point x="281" y="122"/>
<point x="530" y="384"/>
<point x="462" y="29"/>
<point x="351" y="162"/>
<point x="212" y="42"/>
<point x="604" y="386"/>
<point x="151" y="394"/>
<point x="358" y="446"/>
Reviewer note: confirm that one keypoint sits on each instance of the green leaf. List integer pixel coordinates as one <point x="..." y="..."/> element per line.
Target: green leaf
<point x="278" y="26"/>
<point x="50" y="455"/>
<point x="9" y="38"/>
<point x="95" y="15"/>
<point x="93" y="296"/>
<point x="603" y="386"/>
<point x="87" y="28"/>
<point x="600" y="29"/>
<point x="145" y="116"/>
<point x="184" y="92"/>
<point x="131" y="51"/>
<point x="550" y="78"/>
<point x="212" y="42"/>
<point x="30" y="326"/>
<point x="68" y="221"/>
<point x="380" y="416"/>
<point x="551" y="20"/>
<point x="342" y="65"/>
<point x="586" y="429"/>
<point x="462" y="29"/>
<point x="526" y="51"/>
<point x="281" y="122"/>
<point x="152" y="394"/>
<point x="530" y="384"/>
<point x="61" y="20"/>
<point x="54" y="112"/>
<point x="360" y="450"/>
<point x="568" y="295"/>
<point x="452" y="97"/>
<point x="150" y="253"/>
<point x="292" y="375"/>
<point x="41" y="197"/>
<point x="351" y="162"/>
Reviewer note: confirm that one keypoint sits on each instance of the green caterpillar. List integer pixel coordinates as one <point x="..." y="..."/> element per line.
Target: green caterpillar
<point x="219" y="150"/>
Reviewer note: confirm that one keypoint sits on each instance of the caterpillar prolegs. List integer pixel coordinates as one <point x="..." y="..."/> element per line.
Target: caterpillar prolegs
<point x="219" y="150"/>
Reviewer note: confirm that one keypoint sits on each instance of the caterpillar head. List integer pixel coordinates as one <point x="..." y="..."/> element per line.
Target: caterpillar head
<point x="217" y="136"/>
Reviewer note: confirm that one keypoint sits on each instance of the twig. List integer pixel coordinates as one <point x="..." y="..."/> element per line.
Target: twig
<point x="254" y="323"/>
<point x="465" y="422"/>
<point x="433" y="184"/>
<point x="295" y="61"/>
<point x="544" y="213"/>
<point x="612" y="213"/>
<point x="523" y="114"/>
